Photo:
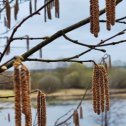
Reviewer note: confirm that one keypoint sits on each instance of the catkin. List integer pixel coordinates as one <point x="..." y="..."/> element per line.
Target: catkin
<point x="43" y="109"/>
<point x="76" y="122"/>
<point x="17" y="86"/>
<point x="94" y="83"/>
<point x="106" y="88"/>
<point x="26" y="105"/>
<point x="113" y="5"/>
<point x="100" y="89"/>
<point x="30" y="7"/>
<point x="39" y="108"/>
<point x="94" y="17"/>
<point x="8" y="13"/>
<point x="16" y="9"/>
<point x="81" y="112"/>
<point x="57" y="8"/>
<point x="49" y="7"/>
<point x="35" y="5"/>
<point x="110" y="13"/>
<point x="101" y="77"/>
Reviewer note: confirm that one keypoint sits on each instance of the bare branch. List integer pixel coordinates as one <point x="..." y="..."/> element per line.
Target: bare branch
<point x="59" y="60"/>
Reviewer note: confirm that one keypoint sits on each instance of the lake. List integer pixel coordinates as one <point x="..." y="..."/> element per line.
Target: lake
<point x="117" y="114"/>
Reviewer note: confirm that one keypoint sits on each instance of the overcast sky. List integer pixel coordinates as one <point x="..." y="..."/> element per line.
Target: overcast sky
<point x="71" y="11"/>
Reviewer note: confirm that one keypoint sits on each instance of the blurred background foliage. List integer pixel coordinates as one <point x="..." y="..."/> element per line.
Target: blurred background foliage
<point x="75" y="76"/>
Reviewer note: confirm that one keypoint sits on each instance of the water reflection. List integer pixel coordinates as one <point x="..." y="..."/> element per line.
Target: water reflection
<point x="117" y="115"/>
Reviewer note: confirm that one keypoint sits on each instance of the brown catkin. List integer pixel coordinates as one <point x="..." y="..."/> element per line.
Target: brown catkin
<point x="26" y="103"/>
<point x="76" y="118"/>
<point x="8" y="13"/>
<point x="113" y="5"/>
<point x="81" y="112"/>
<point x="91" y="16"/>
<point x="102" y="87"/>
<point x="49" y="7"/>
<point x="98" y="92"/>
<point x="17" y="86"/>
<point x="30" y="7"/>
<point x="16" y="9"/>
<point x="39" y="108"/>
<point x="43" y="109"/>
<point x="94" y="83"/>
<point x="106" y="88"/>
<point x="57" y="8"/>
<point x="108" y="14"/>
<point x="28" y="80"/>
<point x="45" y="11"/>
<point x="94" y="12"/>
<point x="49" y="11"/>
<point x="74" y="114"/>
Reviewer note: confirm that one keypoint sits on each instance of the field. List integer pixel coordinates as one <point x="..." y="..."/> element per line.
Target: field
<point x="67" y="94"/>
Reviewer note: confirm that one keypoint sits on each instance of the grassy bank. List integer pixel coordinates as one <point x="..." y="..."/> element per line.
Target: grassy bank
<point x="66" y="94"/>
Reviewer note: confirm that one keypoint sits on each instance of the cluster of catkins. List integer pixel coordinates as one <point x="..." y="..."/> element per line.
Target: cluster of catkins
<point x="22" y="93"/>
<point x="48" y="8"/>
<point x="94" y="13"/>
<point x="100" y="89"/>
<point x="41" y="108"/>
<point x="77" y="116"/>
<point x="7" y="18"/>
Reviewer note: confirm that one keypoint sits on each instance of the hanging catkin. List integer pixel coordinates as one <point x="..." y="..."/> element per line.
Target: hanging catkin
<point x="76" y="118"/>
<point x="17" y="87"/>
<point x="45" y="11"/>
<point x="49" y="7"/>
<point x="43" y="109"/>
<point x="81" y="112"/>
<point x="94" y="20"/>
<point x="113" y="5"/>
<point x="57" y="8"/>
<point x="91" y="16"/>
<point x="39" y="108"/>
<point x="30" y="7"/>
<point x="26" y="104"/>
<point x="100" y="89"/>
<point x="16" y="9"/>
<point x="49" y="11"/>
<point x="94" y="83"/>
<point x="35" y="5"/>
<point x="108" y="14"/>
<point x="8" y="13"/>
<point x="102" y="84"/>
<point x="106" y="88"/>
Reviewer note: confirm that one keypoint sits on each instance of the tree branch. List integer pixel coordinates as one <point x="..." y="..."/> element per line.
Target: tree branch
<point x="51" y="39"/>
<point x="59" y="60"/>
